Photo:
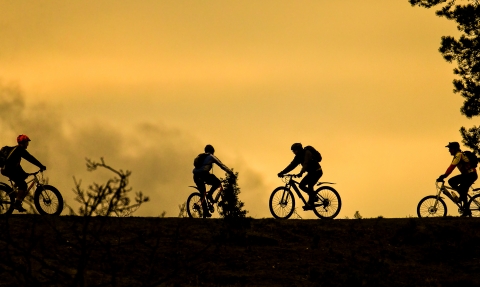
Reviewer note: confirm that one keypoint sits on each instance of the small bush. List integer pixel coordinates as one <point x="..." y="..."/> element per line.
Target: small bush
<point x="232" y="206"/>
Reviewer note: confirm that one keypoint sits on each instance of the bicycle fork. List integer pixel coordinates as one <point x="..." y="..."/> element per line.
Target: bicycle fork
<point x="285" y="194"/>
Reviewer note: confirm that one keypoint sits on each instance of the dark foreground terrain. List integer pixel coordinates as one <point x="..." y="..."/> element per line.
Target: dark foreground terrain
<point x="74" y="251"/>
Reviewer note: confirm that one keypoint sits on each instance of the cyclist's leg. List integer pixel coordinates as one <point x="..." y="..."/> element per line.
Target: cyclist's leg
<point x="18" y="176"/>
<point x="199" y="180"/>
<point x="212" y="180"/>
<point x="21" y="192"/>
<point x="462" y="183"/>
<point x="308" y="182"/>
<point x="455" y="181"/>
<point x="468" y="180"/>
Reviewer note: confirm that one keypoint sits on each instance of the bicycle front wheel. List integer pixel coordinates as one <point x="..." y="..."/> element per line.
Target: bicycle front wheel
<point x="6" y="201"/>
<point x="194" y="205"/>
<point x="429" y="206"/>
<point x="474" y="205"/>
<point x="282" y="203"/>
<point x="330" y="203"/>
<point x="48" y="200"/>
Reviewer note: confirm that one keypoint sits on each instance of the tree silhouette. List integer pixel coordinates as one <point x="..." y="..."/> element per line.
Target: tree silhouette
<point x="466" y="53"/>
<point x="232" y="206"/>
<point x="107" y="199"/>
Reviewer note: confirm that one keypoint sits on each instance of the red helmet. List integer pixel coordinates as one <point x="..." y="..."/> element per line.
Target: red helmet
<point x="22" y="138"/>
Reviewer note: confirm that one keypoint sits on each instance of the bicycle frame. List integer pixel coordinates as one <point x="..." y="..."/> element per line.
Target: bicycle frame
<point x="216" y="198"/>
<point x="445" y="189"/>
<point x="290" y="182"/>
<point x="34" y="181"/>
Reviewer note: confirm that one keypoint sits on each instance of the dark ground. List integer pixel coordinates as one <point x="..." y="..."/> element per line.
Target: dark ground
<point x="69" y="251"/>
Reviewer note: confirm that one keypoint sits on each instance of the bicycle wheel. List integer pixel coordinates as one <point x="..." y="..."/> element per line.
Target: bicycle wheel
<point x="48" y="200"/>
<point x="330" y="202"/>
<point x="194" y="205"/>
<point x="474" y="205"/>
<point x="430" y="207"/>
<point x="282" y="203"/>
<point x="6" y="200"/>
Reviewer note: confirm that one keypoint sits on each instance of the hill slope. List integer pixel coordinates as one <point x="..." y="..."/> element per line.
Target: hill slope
<point x="74" y="251"/>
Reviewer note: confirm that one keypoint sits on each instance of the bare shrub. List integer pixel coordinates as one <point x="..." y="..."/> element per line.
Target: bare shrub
<point x="107" y="199"/>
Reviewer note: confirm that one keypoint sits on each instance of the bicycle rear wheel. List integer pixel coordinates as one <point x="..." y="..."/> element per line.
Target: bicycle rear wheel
<point x="282" y="203"/>
<point x="6" y="201"/>
<point x="474" y="205"/>
<point x="430" y="207"/>
<point x="48" y="200"/>
<point x="194" y="205"/>
<point x="330" y="203"/>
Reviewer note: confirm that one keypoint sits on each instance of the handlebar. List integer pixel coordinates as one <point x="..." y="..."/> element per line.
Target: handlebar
<point x="437" y="183"/>
<point x="290" y="175"/>
<point x="35" y="173"/>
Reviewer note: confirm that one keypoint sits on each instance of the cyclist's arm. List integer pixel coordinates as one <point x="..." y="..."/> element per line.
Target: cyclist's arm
<point x="449" y="170"/>
<point x="220" y="164"/>
<point x="456" y="160"/>
<point x="290" y="167"/>
<point x="30" y="158"/>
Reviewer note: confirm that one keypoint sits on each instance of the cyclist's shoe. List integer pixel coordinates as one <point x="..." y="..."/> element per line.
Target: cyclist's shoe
<point x="312" y="199"/>
<point x="308" y="207"/>
<point x="18" y="206"/>
<point x="466" y="213"/>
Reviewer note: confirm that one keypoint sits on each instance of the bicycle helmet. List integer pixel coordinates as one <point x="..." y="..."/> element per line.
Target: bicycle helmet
<point x="22" y="139"/>
<point x="297" y="146"/>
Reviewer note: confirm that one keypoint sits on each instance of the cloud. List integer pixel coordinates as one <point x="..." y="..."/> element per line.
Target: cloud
<point x="159" y="156"/>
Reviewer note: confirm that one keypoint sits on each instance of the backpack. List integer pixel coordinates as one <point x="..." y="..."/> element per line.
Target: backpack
<point x="198" y="161"/>
<point x="472" y="158"/>
<point x="5" y="153"/>
<point x="315" y="154"/>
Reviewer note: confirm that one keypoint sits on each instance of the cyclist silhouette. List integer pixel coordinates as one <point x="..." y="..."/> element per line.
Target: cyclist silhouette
<point x="304" y="157"/>
<point x="465" y="179"/>
<point x="14" y="171"/>
<point x="201" y="174"/>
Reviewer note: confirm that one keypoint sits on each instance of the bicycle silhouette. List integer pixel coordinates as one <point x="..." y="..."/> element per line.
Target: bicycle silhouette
<point x="434" y="205"/>
<point x="46" y="198"/>
<point x="195" y="200"/>
<point x="282" y="201"/>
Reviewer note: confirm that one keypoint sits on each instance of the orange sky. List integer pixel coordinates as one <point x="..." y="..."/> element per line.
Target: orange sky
<point x="147" y="84"/>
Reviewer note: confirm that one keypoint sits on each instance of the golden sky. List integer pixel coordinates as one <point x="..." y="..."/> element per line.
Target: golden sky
<point x="146" y="84"/>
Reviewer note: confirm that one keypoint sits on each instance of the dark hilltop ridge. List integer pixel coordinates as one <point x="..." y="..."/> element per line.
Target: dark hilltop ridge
<point x="134" y="251"/>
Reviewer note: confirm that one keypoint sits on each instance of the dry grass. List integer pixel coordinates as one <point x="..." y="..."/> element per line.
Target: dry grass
<point x="49" y="251"/>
